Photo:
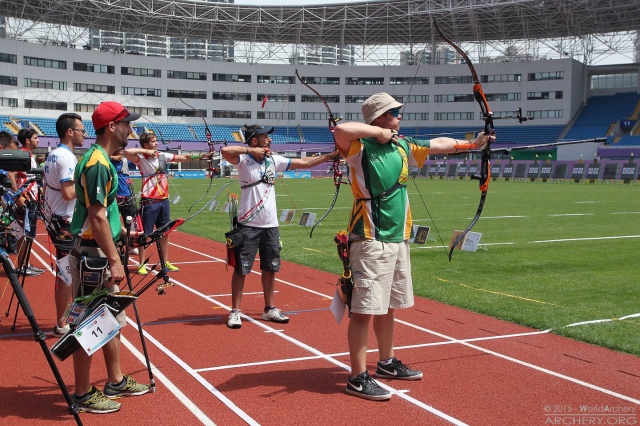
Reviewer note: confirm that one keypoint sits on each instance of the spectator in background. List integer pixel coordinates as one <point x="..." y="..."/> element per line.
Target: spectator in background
<point x="9" y="143"/>
<point x="29" y="140"/>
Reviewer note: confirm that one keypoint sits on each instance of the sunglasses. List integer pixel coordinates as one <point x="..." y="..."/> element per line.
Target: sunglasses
<point x="395" y="112"/>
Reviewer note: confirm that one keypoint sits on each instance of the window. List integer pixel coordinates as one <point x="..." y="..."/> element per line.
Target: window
<point x="501" y="78"/>
<point x="8" y="80"/>
<point x="240" y="78"/>
<point x="315" y="98"/>
<point x="545" y="114"/>
<point x="45" y="63"/>
<point x="442" y="116"/>
<point x="94" y="88"/>
<point x="230" y="96"/>
<point x="544" y="95"/>
<point x="355" y="99"/>
<point x="141" y="72"/>
<point x="188" y="94"/>
<point x="453" y="98"/>
<point x="464" y="79"/>
<point x="45" y="84"/>
<point x="231" y="114"/>
<point x="84" y="107"/>
<point x="408" y="80"/>
<point x="35" y="104"/>
<point x="102" y="69"/>
<point x="614" y="81"/>
<point x="354" y="116"/>
<point x="145" y="110"/>
<point x="502" y="97"/>
<point x="268" y="115"/>
<point x="187" y="75"/>
<point x="175" y="112"/>
<point x="276" y="79"/>
<point x="9" y="58"/>
<point x="9" y="102"/>
<point x="321" y="80"/>
<point x="141" y="91"/>
<point x="368" y="81"/>
<point x="318" y="115"/>
<point x="415" y="116"/>
<point x="275" y="98"/>
<point x="413" y="99"/>
<point x="542" y="76"/>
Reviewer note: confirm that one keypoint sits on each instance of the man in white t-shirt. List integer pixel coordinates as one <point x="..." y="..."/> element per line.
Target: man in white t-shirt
<point x="258" y="215"/>
<point x="154" y="200"/>
<point x="60" y="199"/>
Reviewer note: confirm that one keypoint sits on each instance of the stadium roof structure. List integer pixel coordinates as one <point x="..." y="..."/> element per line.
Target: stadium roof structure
<point x="582" y="29"/>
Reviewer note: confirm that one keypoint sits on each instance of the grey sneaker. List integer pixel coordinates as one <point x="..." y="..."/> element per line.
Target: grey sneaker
<point x="129" y="388"/>
<point x="234" y="319"/>
<point x="94" y="401"/>
<point x="397" y="370"/>
<point x="363" y="386"/>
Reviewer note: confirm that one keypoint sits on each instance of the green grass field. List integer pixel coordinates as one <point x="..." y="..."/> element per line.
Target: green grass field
<point x="551" y="254"/>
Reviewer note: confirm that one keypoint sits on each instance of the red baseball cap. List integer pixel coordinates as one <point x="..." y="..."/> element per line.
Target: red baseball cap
<point x="111" y="111"/>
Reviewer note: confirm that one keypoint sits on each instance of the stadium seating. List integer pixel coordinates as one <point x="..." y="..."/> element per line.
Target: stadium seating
<point x="595" y="120"/>
<point x="596" y="117"/>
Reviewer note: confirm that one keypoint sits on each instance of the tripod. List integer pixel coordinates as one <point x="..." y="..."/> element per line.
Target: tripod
<point x="26" y="249"/>
<point x="40" y="336"/>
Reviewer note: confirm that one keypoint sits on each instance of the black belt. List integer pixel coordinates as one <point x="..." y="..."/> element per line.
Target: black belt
<point x="83" y="242"/>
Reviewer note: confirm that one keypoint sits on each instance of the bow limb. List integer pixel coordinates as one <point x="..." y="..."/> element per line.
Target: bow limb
<point x="487" y="116"/>
<point x="208" y="135"/>
<point x="338" y="177"/>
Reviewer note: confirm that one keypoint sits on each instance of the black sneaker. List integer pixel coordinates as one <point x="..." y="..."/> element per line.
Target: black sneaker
<point x="364" y="386"/>
<point x="397" y="370"/>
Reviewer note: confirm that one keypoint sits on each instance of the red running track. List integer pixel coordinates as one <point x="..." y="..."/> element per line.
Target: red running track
<point x="478" y="370"/>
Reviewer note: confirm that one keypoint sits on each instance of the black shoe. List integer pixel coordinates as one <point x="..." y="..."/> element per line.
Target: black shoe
<point x="397" y="370"/>
<point x="364" y="386"/>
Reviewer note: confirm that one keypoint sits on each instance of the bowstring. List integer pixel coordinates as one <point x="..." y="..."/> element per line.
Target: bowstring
<point x="433" y="222"/>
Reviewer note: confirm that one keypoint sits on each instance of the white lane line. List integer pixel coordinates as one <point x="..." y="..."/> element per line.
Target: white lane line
<point x="503" y="217"/>
<point x="499" y="355"/>
<point x="571" y="214"/>
<point x="585" y="239"/>
<point x="529" y="365"/>
<point x="339" y="354"/>
<point x="312" y="349"/>
<point x="625" y="213"/>
<point x="165" y="381"/>
<point x="162" y="378"/>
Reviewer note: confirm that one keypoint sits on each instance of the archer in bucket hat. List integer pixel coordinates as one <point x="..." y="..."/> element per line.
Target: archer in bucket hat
<point x="378" y="104"/>
<point x="379" y="229"/>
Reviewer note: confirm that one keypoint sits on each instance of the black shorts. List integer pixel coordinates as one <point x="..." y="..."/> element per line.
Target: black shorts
<point x="266" y="241"/>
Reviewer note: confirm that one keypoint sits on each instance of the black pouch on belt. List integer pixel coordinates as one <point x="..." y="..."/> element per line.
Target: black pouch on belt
<point x="94" y="270"/>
